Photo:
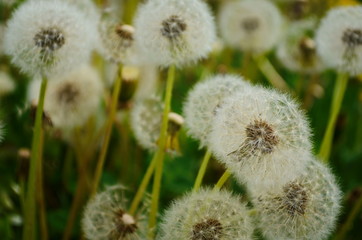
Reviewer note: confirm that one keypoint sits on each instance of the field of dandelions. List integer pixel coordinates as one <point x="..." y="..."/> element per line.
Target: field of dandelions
<point x="181" y="119"/>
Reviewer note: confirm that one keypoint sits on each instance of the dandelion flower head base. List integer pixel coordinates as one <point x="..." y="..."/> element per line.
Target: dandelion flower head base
<point x="261" y="136"/>
<point x="173" y="27"/>
<point x="308" y="51"/>
<point x="68" y="94"/>
<point x="295" y="200"/>
<point x="209" y="229"/>
<point x="125" y="32"/>
<point x="125" y="225"/>
<point x="251" y="24"/>
<point x="352" y="37"/>
<point x="49" y="40"/>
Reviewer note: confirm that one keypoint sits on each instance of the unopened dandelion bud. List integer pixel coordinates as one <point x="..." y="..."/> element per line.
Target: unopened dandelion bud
<point x="207" y="215"/>
<point x="250" y="25"/>
<point x="204" y="100"/>
<point x="174" y="31"/>
<point x="305" y="208"/>
<point x="105" y="217"/>
<point x="49" y="37"/>
<point x="339" y="39"/>
<point x="259" y="135"/>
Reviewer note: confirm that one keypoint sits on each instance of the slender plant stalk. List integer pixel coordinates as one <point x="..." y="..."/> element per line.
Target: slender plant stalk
<point x="142" y="188"/>
<point x="350" y="219"/>
<point x="271" y="73"/>
<point x="108" y="131"/>
<point x="338" y="94"/>
<point x="35" y="161"/>
<point x="160" y="154"/>
<point x="222" y="180"/>
<point x="202" y="170"/>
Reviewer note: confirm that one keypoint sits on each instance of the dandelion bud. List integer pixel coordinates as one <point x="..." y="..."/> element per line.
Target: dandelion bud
<point x="298" y="51"/>
<point x="303" y="209"/>
<point x="204" y="100"/>
<point x="207" y="215"/>
<point x="49" y="37"/>
<point x="105" y="217"/>
<point x="174" y="31"/>
<point x="339" y="39"/>
<point x="259" y="134"/>
<point x="70" y="100"/>
<point x="250" y="25"/>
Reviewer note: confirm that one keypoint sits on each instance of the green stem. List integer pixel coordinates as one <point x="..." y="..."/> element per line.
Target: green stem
<point x="202" y="170"/>
<point x="271" y="73"/>
<point x="222" y="180"/>
<point x="160" y="154"/>
<point x="350" y="219"/>
<point x="142" y="188"/>
<point x="30" y="206"/>
<point x="108" y="131"/>
<point x="338" y="94"/>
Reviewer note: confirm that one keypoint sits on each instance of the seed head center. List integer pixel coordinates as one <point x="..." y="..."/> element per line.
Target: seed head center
<point x="173" y="27"/>
<point x="250" y="24"/>
<point x="209" y="229"/>
<point x="125" y="224"/>
<point x="352" y="37"/>
<point x="295" y="199"/>
<point x="49" y="40"/>
<point x="68" y="94"/>
<point x="261" y="136"/>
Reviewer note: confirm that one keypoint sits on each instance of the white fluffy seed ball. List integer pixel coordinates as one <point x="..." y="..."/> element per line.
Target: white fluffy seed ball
<point x="250" y="25"/>
<point x="256" y="134"/>
<point x="174" y="31"/>
<point x="339" y="39"/>
<point x="303" y="209"/>
<point x="203" y="101"/>
<point x="207" y="214"/>
<point x="49" y="37"/>
<point x="70" y="100"/>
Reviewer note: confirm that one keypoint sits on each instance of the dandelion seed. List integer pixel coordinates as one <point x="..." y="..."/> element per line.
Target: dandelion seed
<point x="105" y="217"/>
<point x="207" y="215"/>
<point x="260" y="134"/>
<point x="174" y="31"/>
<point x="305" y="208"/>
<point x="250" y="25"/>
<point x="339" y="39"/>
<point x="298" y="51"/>
<point x="204" y="100"/>
<point x="49" y="37"/>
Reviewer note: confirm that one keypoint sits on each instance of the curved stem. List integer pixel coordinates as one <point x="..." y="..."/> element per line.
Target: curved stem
<point x="271" y="73"/>
<point x="108" y="131"/>
<point x="142" y="188"/>
<point x="160" y="154"/>
<point x="202" y="170"/>
<point x="35" y="162"/>
<point x="222" y="180"/>
<point x="338" y="94"/>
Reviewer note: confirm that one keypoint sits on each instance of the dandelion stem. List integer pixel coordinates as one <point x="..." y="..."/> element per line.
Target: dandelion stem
<point x="338" y="94"/>
<point x="202" y="170"/>
<point x="108" y="131"/>
<point x="35" y="162"/>
<point x="222" y="180"/>
<point x="142" y="188"/>
<point x="270" y="73"/>
<point x="160" y="154"/>
<point x="350" y="219"/>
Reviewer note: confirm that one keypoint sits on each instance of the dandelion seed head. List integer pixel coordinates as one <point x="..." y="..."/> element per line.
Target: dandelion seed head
<point x="207" y="215"/>
<point x="70" y="100"/>
<point x="204" y="100"/>
<point x="304" y="208"/>
<point x="339" y="39"/>
<point x="174" y="31"/>
<point x="105" y="217"/>
<point x="260" y="136"/>
<point x="49" y="37"/>
<point x="250" y="25"/>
